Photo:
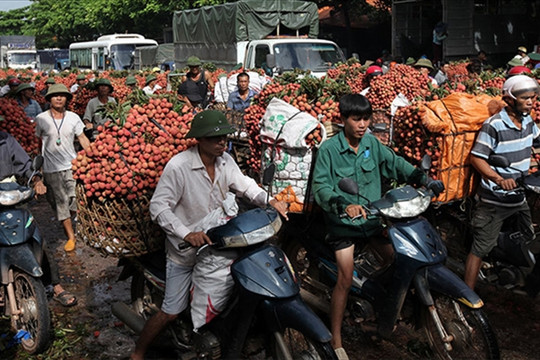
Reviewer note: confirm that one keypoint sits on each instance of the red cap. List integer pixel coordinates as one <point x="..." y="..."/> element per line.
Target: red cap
<point x="516" y="70"/>
<point x="374" y="70"/>
<point x="14" y="82"/>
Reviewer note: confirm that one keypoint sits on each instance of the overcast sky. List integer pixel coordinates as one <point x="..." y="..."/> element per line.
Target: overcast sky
<point x="6" y="5"/>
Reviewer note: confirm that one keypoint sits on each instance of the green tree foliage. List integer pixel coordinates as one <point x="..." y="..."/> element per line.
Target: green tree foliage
<point x="57" y="23"/>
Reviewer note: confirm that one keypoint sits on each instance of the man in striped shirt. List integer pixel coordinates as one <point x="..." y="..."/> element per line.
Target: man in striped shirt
<point x="510" y="133"/>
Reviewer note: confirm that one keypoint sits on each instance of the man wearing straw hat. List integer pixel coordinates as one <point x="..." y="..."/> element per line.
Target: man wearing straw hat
<point x="58" y="129"/>
<point x="92" y="117"/>
<point x="25" y="98"/>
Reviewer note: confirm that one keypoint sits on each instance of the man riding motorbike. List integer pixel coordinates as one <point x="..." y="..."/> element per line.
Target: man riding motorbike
<point x="510" y="133"/>
<point x="356" y="154"/>
<point x="15" y="162"/>
<point x="194" y="183"/>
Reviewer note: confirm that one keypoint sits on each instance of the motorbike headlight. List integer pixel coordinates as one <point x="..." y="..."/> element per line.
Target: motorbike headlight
<point x="255" y="236"/>
<point x="12" y="197"/>
<point x="408" y="208"/>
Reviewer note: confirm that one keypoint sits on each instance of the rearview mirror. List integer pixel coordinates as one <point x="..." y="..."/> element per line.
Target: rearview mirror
<point x="271" y="60"/>
<point x="37" y="162"/>
<point x="268" y="174"/>
<point x="425" y="165"/>
<point x="498" y="161"/>
<point x="349" y="186"/>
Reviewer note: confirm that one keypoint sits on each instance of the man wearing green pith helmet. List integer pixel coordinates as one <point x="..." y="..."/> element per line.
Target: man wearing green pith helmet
<point x="194" y="183"/>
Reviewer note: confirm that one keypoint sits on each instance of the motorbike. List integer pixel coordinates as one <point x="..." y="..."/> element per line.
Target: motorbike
<point x="509" y="263"/>
<point x="22" y="295"/>
<point x="414" y="288"/>
<point x="265" y="314"/>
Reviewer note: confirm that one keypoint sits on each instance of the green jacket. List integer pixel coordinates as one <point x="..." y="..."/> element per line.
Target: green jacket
<point x="336" y="160"/>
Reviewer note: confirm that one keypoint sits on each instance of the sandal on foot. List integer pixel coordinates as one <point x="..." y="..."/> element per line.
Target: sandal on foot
<point x="341" y="354"/>
<point x="64" y="298"/>
<point x="70" y="245"/>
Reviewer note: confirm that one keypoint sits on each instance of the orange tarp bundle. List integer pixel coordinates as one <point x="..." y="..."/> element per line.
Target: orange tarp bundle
<point x="456" y="120"/>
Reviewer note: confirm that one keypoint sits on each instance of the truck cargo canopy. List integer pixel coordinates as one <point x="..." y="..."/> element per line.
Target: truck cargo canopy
<point x="243" y="21"/>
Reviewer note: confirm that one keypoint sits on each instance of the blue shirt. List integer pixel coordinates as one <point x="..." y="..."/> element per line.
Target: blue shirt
<point x="32" y="109"/>
<point x="237" y="103"/>
<point x="499" y="135"/>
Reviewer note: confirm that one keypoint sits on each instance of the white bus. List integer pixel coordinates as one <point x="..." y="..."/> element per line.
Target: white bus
<point x="108" y="52"/>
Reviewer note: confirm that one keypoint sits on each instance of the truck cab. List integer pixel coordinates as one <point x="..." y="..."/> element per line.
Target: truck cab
<point x="315" y="55"/>
<point x="22" y="59"/>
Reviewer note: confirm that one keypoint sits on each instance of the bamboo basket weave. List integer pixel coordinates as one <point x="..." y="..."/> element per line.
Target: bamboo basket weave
<point x="118" y="227"/>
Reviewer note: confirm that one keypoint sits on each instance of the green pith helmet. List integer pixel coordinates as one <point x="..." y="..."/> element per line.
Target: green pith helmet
<point x="150" y="78"/>
<point x="194" y="61"/>
<point x="105" y="82"/>
<point x="410" y="61"/>
<point x="515" y="62"/>
<point x="130" y="80"/>
<point x="534" y="56"/>
<point x="209" y="123"/>
<point x="56" y="89"/>
<point x="424" y="63"/>
<point x="23" y="86"/>
<point x="80" y="77"/>
<point x="50" y="81"/>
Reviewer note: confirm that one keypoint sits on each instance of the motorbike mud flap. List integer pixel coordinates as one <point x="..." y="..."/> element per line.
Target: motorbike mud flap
<point x="266" y="272"/>
<point x="444" y="281"/>
<point x="21" y="257"/>
<point x="295" y="314"/>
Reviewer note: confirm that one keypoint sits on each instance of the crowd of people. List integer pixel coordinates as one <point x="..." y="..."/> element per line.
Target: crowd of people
<point x="196" y="181"/>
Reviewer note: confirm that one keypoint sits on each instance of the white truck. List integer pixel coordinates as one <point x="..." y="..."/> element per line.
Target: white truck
<point x="274" y="35"/>
<point x="18" y="52"/>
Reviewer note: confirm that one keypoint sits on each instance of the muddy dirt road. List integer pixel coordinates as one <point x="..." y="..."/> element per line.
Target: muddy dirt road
<point x="89" y="331"/>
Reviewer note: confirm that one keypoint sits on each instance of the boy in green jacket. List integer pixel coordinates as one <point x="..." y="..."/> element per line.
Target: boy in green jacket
<point x="355" y="153"/>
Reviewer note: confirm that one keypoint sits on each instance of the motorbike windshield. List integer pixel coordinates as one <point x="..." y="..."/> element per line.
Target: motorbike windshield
<point x="122" y="56"/>
<point x="22" y="58"/>
<point x="306" y="56"/>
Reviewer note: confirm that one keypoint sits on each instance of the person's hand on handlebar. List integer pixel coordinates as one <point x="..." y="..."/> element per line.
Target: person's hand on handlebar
<point x="436" y="186"/>
<point x="39" y="187"/>
<point x="355" y="211"/>
<point x="506" y="184"/>
<point x="281" y="206"/>
<point x="197" y="239"/>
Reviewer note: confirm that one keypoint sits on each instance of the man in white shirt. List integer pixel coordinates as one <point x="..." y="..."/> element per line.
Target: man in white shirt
<point x="151" y="85"/>
<point x="193" y="184"/>
<point x="58" y="129"/>
<point x="92" y="117"/>
<point x="80" y="81"/>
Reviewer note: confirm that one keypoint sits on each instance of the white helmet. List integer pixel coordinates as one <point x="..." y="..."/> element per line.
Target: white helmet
<point x="519" y="84"/>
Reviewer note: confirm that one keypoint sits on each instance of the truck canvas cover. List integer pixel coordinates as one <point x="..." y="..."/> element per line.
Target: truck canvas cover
<point x="150" y="56"/>
<point x="216" y="29"/>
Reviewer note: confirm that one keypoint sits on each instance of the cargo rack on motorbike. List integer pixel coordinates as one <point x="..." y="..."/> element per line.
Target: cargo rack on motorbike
<point x="118" y="227"/>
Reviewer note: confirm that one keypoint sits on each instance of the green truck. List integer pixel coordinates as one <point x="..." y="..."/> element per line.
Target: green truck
<point x="275" y="35"/>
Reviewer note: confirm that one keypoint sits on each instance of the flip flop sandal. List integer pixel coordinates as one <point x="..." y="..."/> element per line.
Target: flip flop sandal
<point x="64" y="297"/>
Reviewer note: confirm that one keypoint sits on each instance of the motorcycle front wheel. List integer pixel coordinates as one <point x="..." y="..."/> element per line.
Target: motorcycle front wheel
<point x="473" y="337"/>
<point x="34" y="319"/>
<point x="292" y="344"/>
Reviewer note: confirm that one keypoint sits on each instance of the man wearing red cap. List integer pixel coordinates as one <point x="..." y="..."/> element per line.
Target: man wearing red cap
<point x="10" y="86"/>
<point x="371" y="72"/>
<point x="518" y="70"/>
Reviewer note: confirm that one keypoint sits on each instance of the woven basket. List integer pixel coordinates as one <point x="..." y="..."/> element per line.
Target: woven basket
<point x="118" y="227"/>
